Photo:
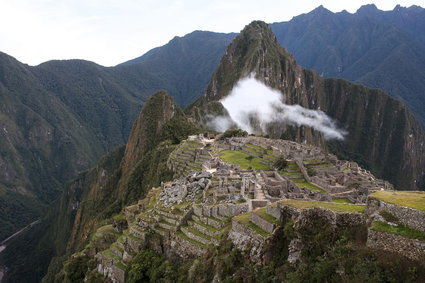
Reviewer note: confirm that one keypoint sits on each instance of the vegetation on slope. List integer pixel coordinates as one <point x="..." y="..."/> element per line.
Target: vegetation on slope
<point x="381" y="49"/>
<point x="337" y="207"/>
<point x="244" y="160"/>
<point x="398" y="230"/>
<point x="94" y="196"/>
<point x="412" y="199"/>
<point x="393" y="153"/>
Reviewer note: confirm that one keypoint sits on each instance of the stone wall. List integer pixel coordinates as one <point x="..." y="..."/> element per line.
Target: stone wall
<point x="274" y="211"/>
<point x="107" y="267"/>
<point x="407" y="216"/>
<point x="245" y="239"/>
<point x="262" y="223"/>
<point x="337" y="219"/>
<point x="410" y="248"/>
<point x="183" y="248"/>
<point x="221" y="210"/>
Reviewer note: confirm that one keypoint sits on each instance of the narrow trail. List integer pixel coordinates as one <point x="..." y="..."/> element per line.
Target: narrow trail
<point x="29" y="226"/>
<point x="3" y="244"/>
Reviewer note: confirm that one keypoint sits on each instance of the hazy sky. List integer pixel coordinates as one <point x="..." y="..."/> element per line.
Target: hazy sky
<point x="109" y="32"/>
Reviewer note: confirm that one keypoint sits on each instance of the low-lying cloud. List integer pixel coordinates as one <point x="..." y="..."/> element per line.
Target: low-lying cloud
<point x="252" y="100"/>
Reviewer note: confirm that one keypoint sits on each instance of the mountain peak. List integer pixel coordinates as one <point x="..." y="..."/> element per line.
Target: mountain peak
<point x="254" y="50"/>
<point x="321" y="10"/>
<point x="367" y="9"/>
<point x="258" y="30"/>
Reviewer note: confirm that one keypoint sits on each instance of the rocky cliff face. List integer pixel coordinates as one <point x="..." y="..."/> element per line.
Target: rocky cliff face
<point x="382" y="134"/>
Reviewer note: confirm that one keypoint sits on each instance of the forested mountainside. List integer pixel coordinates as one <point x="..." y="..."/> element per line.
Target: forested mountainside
<point x="383" y="135"/>
<point x="120" y="178"/>
<point x="380" y="49"/>
<point x="60" y="117"/>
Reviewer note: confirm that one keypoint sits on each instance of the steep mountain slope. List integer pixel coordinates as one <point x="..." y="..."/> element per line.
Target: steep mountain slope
<point x="121" y="177"/>
<point x="93" y="94"/>
<point x="59" y="117"/>
<point x="185" y="63"/>
<point x="382" y="133"/>
<point x="43" y="144"/>
<point x="378" y="49"/>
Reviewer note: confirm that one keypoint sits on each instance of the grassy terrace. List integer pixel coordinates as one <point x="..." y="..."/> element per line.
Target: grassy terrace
<point x="182" y="235"/>
<point x="262" y="212"/>
<point x="309" y="186"/>
<point x="243" y="159"/>
<point x="245" y="220"/>
<point x="399" y="230"/>
<point x="412" y="199"/>
<point x="209" y="227"/>
<point x="342" y="200"/>
<point x="337" y="207"/>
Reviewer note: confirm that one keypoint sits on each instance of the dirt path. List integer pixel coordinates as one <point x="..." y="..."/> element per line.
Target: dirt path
<point x="4" y="243"/>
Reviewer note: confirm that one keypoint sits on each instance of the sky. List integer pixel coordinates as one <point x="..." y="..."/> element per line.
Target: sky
<point x="110" y="32"/>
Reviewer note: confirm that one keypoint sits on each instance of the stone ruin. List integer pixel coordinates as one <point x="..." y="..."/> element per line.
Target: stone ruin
<point x="313" y="174"/>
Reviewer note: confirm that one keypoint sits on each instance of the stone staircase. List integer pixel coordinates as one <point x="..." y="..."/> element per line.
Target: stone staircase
<point x="293" y="172"/>
<point x="204" y="230"/>
<point x="258" y="190"/>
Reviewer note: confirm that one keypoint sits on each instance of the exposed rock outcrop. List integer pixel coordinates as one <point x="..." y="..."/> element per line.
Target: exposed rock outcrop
<point x="382" y="133"/>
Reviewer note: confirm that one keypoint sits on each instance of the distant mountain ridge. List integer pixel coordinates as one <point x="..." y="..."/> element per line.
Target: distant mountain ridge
<point x="380" y="49"/>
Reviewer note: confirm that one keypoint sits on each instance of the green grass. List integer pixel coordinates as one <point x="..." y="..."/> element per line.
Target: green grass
<point x="134" y="238"/>
<point x="209" y="227"/>
<point x="198" y="233"/>
<point x="244" y="219"/>
<point x="115" y="247"/>
<point x="240" y="158"/>
<point x="312" y="161"/>
<point x="182" y="235"/>
<point x="105" y="229"/>
<point x="337" y="207"/>
<point x="121" y="266"/>
<point x="412" y="199"/>
<point x="110" y="255"/>
<point x="341" y="200"/>
<point x="298" y="180"/>
<point x="262" y="212"/>
<point x="161" y="229"/>
<point x="398" y="230"/>
<point x="309" y="186"/>
<point x="291" y="173"/>
<point x="119" y="217"/>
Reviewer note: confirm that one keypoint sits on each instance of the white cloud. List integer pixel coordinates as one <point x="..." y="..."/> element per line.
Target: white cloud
<point x="252" y="98"/>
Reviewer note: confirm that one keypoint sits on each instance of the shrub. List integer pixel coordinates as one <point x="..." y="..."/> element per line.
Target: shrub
<point x="311" y="172"/>
<point x="234" y="133"/>
<point x="388" y="216"/>
<point x="281" y="163"/>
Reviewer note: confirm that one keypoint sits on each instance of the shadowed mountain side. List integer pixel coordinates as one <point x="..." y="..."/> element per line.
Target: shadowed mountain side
<point x="184" y="64"/>
<point x="382" y="133"/>
<point x="380" y="49"/>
